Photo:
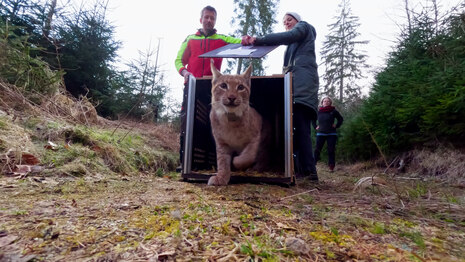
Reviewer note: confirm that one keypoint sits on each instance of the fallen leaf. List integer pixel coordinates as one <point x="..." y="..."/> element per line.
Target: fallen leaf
<point x="25" y="158"/>
<point x="96" y="148"/>
<point x="29" y="159"/>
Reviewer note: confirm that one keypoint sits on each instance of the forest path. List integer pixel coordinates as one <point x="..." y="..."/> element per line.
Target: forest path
<point x="148" y="218"/>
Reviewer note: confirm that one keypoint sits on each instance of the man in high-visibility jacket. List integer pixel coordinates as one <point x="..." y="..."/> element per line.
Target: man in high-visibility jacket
<point x="188" y="61"/>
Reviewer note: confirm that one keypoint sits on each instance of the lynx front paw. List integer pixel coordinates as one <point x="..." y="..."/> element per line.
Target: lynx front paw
<point x="217" y="181"/>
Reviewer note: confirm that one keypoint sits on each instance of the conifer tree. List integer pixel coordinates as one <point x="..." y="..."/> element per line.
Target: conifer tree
<point x="418" y="99"/>
<point x="141" y="89"/>
<point x="87" y="51"/>
<point x="254" y="17"/>
<point x="343" y="62"/>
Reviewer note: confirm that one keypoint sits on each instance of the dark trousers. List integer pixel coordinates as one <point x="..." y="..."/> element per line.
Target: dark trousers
<point x="320" y="142"/>
<point x="304" y="162"/>
<point x="183" y="118"/>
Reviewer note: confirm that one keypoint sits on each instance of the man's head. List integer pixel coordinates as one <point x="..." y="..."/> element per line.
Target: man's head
<point x="208" y="19"/>
<point x="290" y="20"/>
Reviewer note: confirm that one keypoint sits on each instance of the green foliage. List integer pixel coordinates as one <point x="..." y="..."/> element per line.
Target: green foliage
<point x="19" y="213"/>
<point x="355" y="141"/>
<point x="86" y="54"/>
<point x="81" y="48"/>
<point x="31" y="75"/>
<point x="26" y="20"/>
<point x="81" y="45"/>
<point x="419" y="191"/>
<point x="247" y="249"/>
<point x="378" y="228"/>
<point x="3" y="124"/>
<point x="140" y="89"/>
<point x="418" y="97"/>
<point x="343" y="62"/>
<point x="416" y="237"/>
<point x="253" y="17"/>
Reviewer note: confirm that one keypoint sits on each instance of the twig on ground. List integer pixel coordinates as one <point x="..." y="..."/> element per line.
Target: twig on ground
<point x="83" y="113"/>
<point x="373" y="180"/>
<point x="188" y="242"/>
<point x="121" y="139"/>
<point x="230" y="255"/>
<point x="393" y="161"/>
<point x="301" y="193"/>
<point x="417" y="256"/>
<point x="408" y="178"/>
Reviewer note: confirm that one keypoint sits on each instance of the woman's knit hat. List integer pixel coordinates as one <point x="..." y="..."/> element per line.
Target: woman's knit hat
<point x="295" y="15"/>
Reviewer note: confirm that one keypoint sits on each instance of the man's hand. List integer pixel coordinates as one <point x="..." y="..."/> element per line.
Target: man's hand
<point x="248" y="40"/>
<point x="186" y="75"/>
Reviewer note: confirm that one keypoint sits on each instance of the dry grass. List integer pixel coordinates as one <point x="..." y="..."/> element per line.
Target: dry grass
<point x="444" y="163"/>
<point x="13" y="102"/>
<point x="84" y="144"/>
<point x="360" y="167"/>
<point x="164" y="134"/>
<point x="60" y="105"/>
<point x="76" y="110"/>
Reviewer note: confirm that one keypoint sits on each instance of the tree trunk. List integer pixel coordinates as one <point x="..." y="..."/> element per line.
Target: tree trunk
<point x="407" y="11"/>
<point x="48" y="22"/>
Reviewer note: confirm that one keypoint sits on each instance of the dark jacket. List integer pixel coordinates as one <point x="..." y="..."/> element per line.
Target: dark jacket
<point x="326" y="119"/>
<point x="300" y="59"/>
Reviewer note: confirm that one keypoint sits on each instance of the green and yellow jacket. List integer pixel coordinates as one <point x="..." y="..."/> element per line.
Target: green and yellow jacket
<point x="197" y="44"/>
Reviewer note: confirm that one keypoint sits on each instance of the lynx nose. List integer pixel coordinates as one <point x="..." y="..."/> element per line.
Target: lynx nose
<point x="231" y="99"/>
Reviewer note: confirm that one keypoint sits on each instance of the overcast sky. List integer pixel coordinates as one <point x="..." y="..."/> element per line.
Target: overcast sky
<point x="140" y="23"/>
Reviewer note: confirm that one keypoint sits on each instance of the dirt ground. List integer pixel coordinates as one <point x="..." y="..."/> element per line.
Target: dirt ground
<point x="150" y="218"/>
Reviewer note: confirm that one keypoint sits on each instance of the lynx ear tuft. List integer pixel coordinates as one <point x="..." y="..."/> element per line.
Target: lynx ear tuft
<point x="215" y="71"/>
<point x="248" y="71"/>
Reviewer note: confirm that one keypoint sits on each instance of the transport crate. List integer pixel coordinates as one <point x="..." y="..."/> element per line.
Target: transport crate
<point x="271" y="96"/>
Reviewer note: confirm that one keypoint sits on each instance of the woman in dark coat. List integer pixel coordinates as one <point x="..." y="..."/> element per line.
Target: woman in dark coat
<point x="299" y="59"/>
<point x="326" y="130"/>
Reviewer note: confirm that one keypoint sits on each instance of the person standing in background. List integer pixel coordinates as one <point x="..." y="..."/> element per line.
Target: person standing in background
<point x="326" y="130"/>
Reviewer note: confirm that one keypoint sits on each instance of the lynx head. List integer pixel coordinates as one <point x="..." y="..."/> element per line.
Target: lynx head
<point x="230" y="93"/>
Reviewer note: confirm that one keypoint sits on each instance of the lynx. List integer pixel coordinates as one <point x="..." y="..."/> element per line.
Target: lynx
<point x="237" y="128"/>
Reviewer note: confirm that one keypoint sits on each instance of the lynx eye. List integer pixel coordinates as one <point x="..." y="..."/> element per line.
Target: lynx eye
<point x="240" y="87"/>
<point x="224" y="85"/>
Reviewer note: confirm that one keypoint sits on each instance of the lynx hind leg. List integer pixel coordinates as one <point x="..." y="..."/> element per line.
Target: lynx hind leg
<point x="265" y="149"/>
<point x="245" y="159"/>
<point x="249" y="154"/>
